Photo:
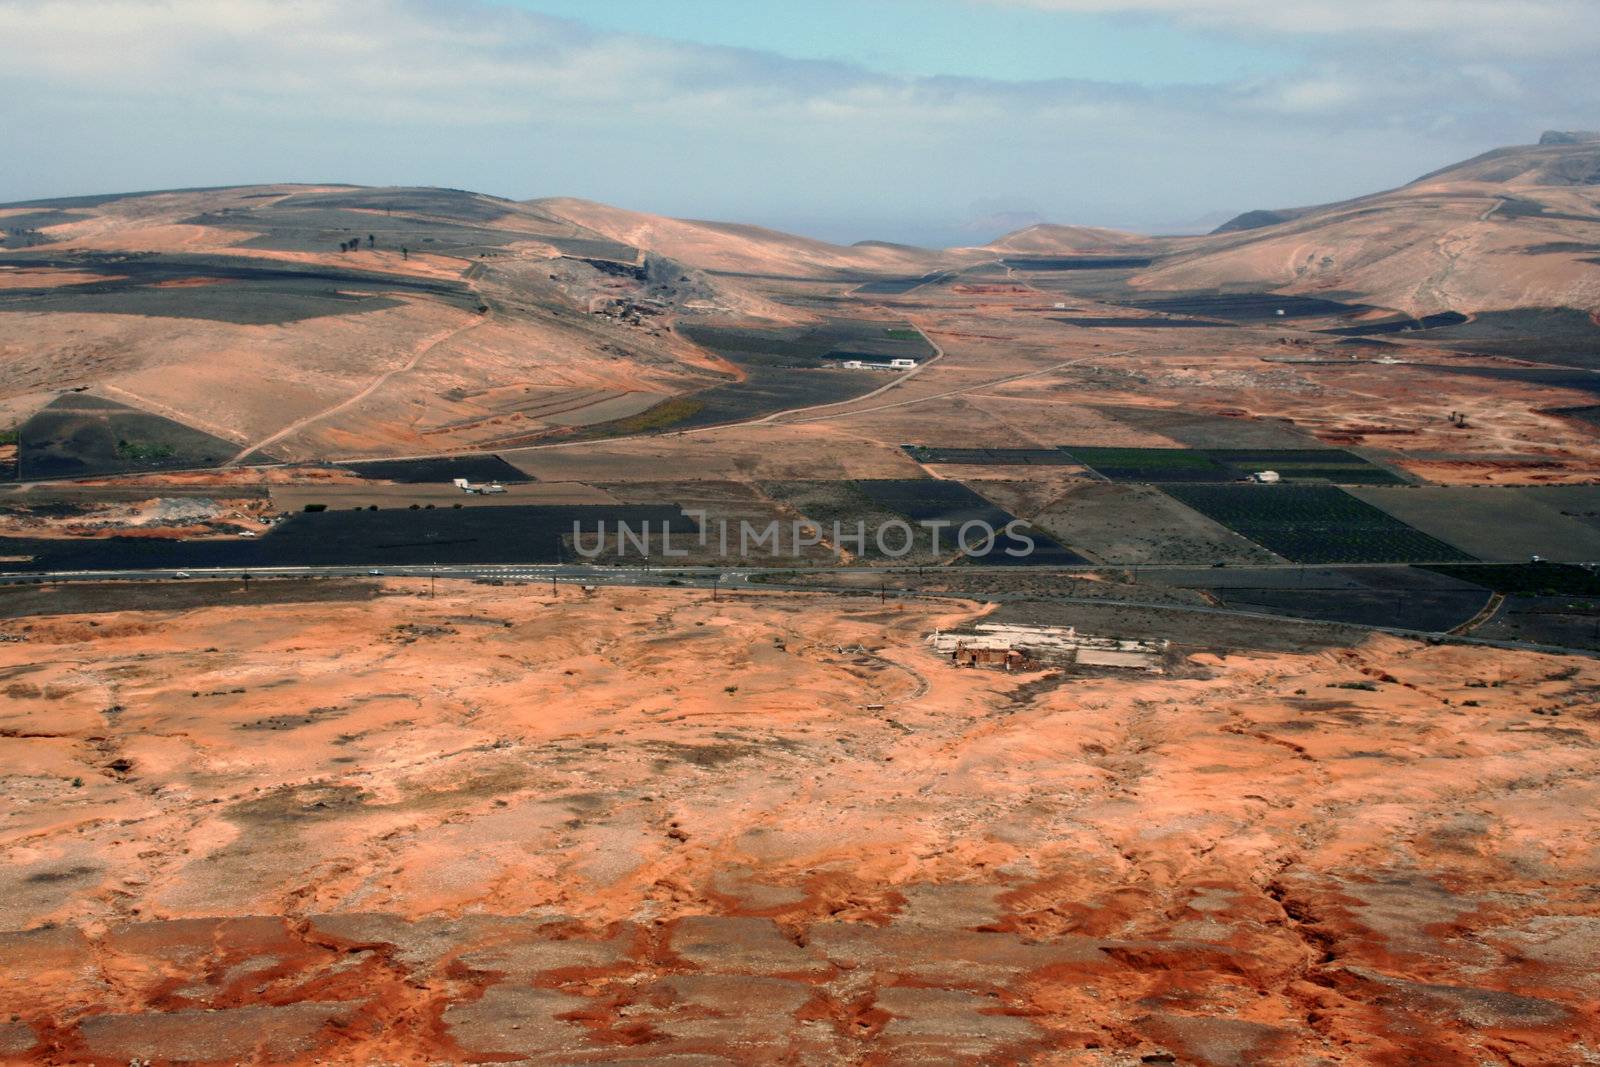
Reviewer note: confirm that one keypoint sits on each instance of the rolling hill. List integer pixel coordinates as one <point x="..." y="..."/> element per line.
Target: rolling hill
<point x="1512" y="228"/>
<point x="735" y="248"/>
<point x="305" y="321"/>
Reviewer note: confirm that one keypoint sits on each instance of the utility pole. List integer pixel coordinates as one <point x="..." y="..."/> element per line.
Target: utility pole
<point x="432" y="578"/>
<point x="716" y="584"/>
<point x="883" y="592"/>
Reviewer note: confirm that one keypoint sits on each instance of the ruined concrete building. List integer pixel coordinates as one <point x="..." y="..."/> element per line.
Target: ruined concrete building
<point x="1034" y="647"/>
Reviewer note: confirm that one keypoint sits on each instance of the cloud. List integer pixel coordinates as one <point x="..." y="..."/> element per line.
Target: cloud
<point x="110" y="95"/>
<point x="1495" y="27"/>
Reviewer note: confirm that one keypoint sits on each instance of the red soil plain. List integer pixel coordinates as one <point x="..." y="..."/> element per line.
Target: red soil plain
<point x="372" y="821"/>
<point x="646" y="827"/>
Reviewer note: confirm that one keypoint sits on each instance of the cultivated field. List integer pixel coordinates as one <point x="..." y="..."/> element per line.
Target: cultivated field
<point x="1492" y="523"/>
<point x="1313" y="524"/>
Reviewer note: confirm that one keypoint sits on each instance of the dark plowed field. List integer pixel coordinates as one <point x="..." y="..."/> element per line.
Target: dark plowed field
<point x="1314" y="524"/>
<point x="423" y="471"/>
<point x="1056" y="263"/>
<point x="1231" y="465"/>
<point x="1128" y="322"/>
<point x="1567" y="337"/>
<point x="812" y="346"/>
<point x="928" y="500"/>
<point x="394" y="537"/>
<point x="1249" y="307"/>
<point x="230" y="289"/>
<point x="80" y="436"/>
<point x="1400" y="325"/>
<point x="990" y="457"/>
<point x="1529" y="579"/>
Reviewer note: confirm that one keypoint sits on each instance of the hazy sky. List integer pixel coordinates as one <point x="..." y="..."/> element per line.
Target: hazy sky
<point x="933" y="121"/>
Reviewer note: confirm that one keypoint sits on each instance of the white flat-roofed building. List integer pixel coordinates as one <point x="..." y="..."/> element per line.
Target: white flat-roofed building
<point x="1023" y="647"/>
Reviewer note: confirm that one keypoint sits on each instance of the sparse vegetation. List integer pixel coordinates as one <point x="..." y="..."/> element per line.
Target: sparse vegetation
<point x="144" y="451"/>
<point x="663" y="416"/>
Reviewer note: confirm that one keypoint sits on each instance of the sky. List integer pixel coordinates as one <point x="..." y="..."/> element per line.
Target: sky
<point x="926" y="121"/>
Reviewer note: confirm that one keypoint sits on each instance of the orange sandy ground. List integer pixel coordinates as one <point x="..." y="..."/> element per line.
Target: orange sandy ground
<point x="643" y="827"/>
<point x="46" y="278"/>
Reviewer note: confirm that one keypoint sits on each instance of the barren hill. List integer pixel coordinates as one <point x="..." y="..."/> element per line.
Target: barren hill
<point x="1052" y="239"/>
<point x="307" y="321"/>
<point x="304" y="321"/>
<point x="739" y="249"/>
<point x="1513" y="228"/>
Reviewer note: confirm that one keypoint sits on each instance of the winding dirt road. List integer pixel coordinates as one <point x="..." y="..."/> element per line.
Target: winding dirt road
<point x="372" y="387"/>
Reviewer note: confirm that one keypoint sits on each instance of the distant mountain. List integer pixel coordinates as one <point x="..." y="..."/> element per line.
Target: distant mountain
<point x="1255" y="220"/>
<point x="738" y="248"/>
<point x="1514" y="227"/>
<point x="1051" y="239"/>
<point x="1570" y="158"/>
<point x="310" y="320"/>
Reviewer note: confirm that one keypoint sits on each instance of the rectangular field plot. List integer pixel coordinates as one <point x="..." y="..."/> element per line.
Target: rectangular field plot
<point x="1129" y="322"/>
<point x="1249" y="307"/>
<point x="990" y="457"/>
<point x="897" y="286"/>
<point x="1059" y="263"/>
<point x="1306" y="465"/>
<point x="1194" y="429"/>
<point x="1528" y="579"/>
<point x="1132" y="524"/>
<point x="1151" y="464"/>
<point x="361" y="538"/>
<point x="1315" y="524"/>
<point x="924" y="500"/>
<point x="1231" y="465"/>
<point x="878" y="503"/>
<point x="483" y="468"/>
<point x="812" y="346"/>
<point x="1497" y="524"/>
<point x="1410" y="598"/>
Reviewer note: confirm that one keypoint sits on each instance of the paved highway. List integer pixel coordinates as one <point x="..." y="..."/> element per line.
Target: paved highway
<point x="742" y="580"/>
